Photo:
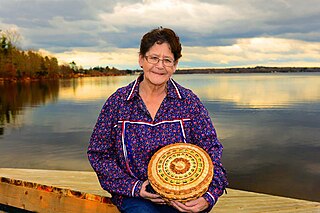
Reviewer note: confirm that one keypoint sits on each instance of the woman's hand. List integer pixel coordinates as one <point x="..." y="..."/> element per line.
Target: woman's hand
<point x="150" y="196"/>
<point x="197" y="205"/>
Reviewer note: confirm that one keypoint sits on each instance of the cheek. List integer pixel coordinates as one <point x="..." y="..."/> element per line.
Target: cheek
<point x="173" y="70"/>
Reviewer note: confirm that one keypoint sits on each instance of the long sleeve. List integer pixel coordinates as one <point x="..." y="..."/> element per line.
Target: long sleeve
<point x="104" y="158"/>
<point x="125" y="137"/>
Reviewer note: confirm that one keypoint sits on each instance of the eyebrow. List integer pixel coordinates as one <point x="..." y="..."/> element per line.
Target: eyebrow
<point x="166" y="57"/>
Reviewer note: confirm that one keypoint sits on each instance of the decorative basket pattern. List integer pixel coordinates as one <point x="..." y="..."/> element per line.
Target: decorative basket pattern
<point x="180" y="171"/>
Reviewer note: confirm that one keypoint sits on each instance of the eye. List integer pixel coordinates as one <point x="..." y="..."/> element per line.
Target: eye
<point x="168" y="60"/>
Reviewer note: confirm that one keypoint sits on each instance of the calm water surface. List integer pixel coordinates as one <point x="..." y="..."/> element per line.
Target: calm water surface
<point x="269" y="125"/>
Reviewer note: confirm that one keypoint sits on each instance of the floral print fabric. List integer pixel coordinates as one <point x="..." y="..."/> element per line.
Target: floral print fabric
<point x="125" y="137"/>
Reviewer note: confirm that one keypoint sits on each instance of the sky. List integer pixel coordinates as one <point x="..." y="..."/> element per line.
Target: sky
<point x="216" y="33"/>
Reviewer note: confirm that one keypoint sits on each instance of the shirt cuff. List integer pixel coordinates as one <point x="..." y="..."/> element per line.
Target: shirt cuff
<point x="210" y="199"/>
<point x="137" y="188"/>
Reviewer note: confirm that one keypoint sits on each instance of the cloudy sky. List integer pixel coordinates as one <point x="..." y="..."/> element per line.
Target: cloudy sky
<point x="216" y="33"/>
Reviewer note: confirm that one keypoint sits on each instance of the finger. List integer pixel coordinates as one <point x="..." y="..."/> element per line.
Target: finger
<point x="173" y="204"/>
<point x="192" y="203"/>
<point x="151" y="195"/>
<point x="158" y="200"/>
<point x="180" y="206"/>
<point x="197" y="205"/>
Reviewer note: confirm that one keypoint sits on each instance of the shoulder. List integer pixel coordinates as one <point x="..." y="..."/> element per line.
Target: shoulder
<point x="181" y="91"/>
<point x="186" y="93"/>
<point x="191" y="100"/>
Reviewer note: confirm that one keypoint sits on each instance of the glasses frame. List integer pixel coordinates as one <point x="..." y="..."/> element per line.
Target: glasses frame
<point x="148" y="57"/>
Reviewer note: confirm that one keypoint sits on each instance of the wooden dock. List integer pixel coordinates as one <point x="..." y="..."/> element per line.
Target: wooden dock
<point x="77" y="191"/>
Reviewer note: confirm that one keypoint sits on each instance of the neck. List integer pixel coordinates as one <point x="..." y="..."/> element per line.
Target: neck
<point x="149" y="89"/>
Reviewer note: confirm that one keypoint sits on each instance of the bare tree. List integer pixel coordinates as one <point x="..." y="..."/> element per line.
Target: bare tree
<point x="13" y="36"/>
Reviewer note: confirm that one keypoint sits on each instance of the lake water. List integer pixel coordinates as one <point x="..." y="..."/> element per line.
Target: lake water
<point x="269" y="125"/>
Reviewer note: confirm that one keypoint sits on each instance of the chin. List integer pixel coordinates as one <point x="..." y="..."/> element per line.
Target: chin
<point x="159" y="80"/>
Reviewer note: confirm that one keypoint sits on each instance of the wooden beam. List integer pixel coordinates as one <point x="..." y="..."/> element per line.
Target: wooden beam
<point x="78" y="191"/>
<point x="41" y="198"/>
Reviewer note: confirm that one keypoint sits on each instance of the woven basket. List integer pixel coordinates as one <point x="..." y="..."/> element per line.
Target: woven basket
<point x="180" y="171"/>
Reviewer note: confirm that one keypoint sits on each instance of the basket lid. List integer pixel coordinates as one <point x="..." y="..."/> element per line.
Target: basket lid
<point x="180" y="171"/>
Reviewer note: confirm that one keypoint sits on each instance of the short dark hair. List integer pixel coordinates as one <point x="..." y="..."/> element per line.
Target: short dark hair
<point x="161" y="35"/>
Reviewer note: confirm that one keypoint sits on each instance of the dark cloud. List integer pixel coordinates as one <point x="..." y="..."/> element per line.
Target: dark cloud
<point x="100" y="25"/>
<point x="68" y="42"/>
<point x="37" y="14"/>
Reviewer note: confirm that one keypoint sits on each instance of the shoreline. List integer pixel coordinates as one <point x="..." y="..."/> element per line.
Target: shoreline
<point x="258" y="69"/>
<point x="250" y="70"/>
<point x="28" y="79"/>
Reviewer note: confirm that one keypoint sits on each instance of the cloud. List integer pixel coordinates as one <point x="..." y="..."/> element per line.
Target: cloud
<point x="119" y="58"/>
<point x="213" y="33"/>
<point x="266" y="51"/>
<point x="257" y="51"/>
<point x="210" y="23"/>
<point x="174" y="13"/>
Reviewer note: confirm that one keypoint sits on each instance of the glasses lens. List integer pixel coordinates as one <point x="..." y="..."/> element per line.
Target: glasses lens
<point x="167" y="62"/>
<point x="154" y="60"/>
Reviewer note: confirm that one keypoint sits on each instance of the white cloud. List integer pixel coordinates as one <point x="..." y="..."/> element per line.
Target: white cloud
<point x="119" y="58"/>
<point x="258" y="51"/>
<point x="265" y="51"/>
<point x="195" y="16"/>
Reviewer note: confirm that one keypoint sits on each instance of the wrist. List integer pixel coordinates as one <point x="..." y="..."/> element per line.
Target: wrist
<point x="137" y="189"/>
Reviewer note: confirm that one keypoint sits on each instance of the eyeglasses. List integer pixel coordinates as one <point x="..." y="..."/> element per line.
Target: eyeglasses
<point x="168" y="62"/>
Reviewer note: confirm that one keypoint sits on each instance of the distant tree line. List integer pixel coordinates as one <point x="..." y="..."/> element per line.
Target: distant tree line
<point x="27" y="64"/>
<point x="108" y="71"/>
<point x="257" y="69"/>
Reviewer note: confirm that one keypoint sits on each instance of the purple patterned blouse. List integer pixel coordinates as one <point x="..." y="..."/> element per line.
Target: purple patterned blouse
<point x="125" y="137"/>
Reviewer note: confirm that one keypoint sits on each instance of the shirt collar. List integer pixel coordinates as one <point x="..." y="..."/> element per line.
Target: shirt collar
<point x="172" y="86"/>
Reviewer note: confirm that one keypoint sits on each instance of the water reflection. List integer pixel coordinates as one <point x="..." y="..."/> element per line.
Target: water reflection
<point x="90" y="89"/>
<point x="257" y="90"/>
<point x="14" y="97"/>
<point x="268" y="123"/>
<point x="271" y="151"/>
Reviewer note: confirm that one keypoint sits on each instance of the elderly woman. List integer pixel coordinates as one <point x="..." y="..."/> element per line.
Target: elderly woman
<point x="139" y="119"/>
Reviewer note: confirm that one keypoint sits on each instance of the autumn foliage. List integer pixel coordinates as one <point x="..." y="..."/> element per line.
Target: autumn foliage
<point x="21" y="64"/>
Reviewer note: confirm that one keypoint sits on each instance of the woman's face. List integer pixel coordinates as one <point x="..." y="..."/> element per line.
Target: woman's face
<point x="158" y="74"/>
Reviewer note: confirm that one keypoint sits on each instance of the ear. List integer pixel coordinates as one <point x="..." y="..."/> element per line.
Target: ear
<point x="175" y="65"/>
<point x="141" y="60"/>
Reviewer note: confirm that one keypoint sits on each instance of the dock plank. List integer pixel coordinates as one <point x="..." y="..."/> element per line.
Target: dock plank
<point x="80" y="189"/>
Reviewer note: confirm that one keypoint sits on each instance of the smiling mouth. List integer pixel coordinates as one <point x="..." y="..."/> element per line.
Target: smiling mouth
<point x="158" y="73"/>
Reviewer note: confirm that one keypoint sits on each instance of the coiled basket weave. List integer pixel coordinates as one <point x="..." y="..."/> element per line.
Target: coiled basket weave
<point x="180" y="171"/>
